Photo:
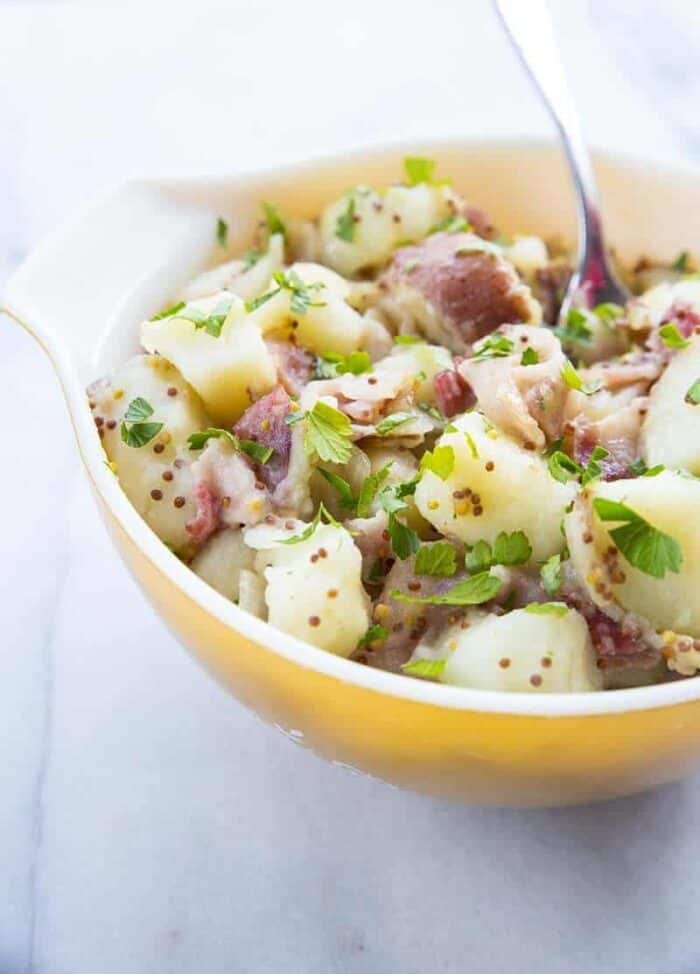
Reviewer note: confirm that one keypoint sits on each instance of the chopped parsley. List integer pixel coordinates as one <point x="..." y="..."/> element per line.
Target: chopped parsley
<point x="640" y="469"/>
<point x="346" y="222"/>
<point x="441" y="461"/>
<point x="432" y="411"/>
<point x="321" y="516"/>
<point x="168" y="312"/>
<point x="404" y="540"/>
<point x="550" y="575"/>
<point x="470" y="591"/>
<point x="692" y="396"/>
<point x="575" y="328"/>
<point x="451" y="224"/>
<point x="547" y="608"/>
<point x="273" y="220"/>
<point x="682" y="263"/>
<point x="508" y="549"/>
<point x="574" y="381"/>
<point x="418" y="170"/>
<point x="472" y="446"/>
<point x="210" y="321"/>
<point x="250" y="258"/>
<point x="343" y="488"/>
<point x="593" y="469"/>
<point x="328" y="433"/>
<point x="672" y="337"/>
<point x="330" y="365"/>
<point x="408" y="340"/>
<point x="301" y="298"/>
<point x="390" y="423"/>
<point x="495" y="346"/>
<point x="439" y="558"/>
<point x="608" y="312"/>
<point x="370" y="487"/>
<point x="221" y="232"/>
<point x="529" y="356"/>
<point x="644" y="546"/>
<point x="374" y="634"/>
<point x="428" y="669"/>
<point x="561" y="466"/>
<point x="257" y="451"/>
<point x="134" y="430"/>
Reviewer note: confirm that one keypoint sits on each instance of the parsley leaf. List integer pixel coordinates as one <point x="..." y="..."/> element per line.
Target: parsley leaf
<point x="682" y="263"/>
<point x="511" y="549"/>
<point x="428" y="669"/>
<point x="321" y="516"/>
<point x="418" y="170"/>
<point x="547" y="608"/>
<point x="608" y="312"/>
<point x="574" y="381"/>
<point x="197" y="441"/>
<point x="168" y="312"/>
<point x="347" y="499"/>
<point x="644" y="546"/>
<point x="390" y="423"/>
<point x="329" y="366"/>
<point x="451" y="224"/>
<point x="404" y="540"/>
<point x="472" y="445"/>
<point x="211" y="321"/>
<point x="692" y="396"/>
<point x="550" y="575"/>
<point x="374" y="634"/>
<point x="221" y="232"/>
<point x="672" y="337"/>
<point x="250" y="258"/>
<point x="408" y="340"/>
<point x="273" y="220"/>
<point x="438" y="558"/>
<point x="560" y="465"/>
<point x="495" y="346"/>
<point x="575" y="328"/>
<point x="441" y="461"/>
<point x="508" y="549"/>
<point x="593" y="468"/>
<point x="470" y="591"/>
<point x="529" y="356"/>
<point x="370" y="488"/>
<point x="346" y="223"/>
<point x="134" y="431"/>
<point x="479" y="557"/>
<point x="258" y="451"/>
<point x="640" y="469"/>
<point x="328" y="433"/>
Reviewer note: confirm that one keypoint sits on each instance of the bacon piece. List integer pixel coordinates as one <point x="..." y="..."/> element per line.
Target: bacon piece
<point x="453" y="393"/>
<point x="479" y="221"/>
<point x="295" y="365"/>
<point x="264" y="422"/>
<point x="206" y="520"/>
<point x="455" y="288"/>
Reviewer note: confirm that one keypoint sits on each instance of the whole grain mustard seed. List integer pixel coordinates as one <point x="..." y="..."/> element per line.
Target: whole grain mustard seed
<point x="158" y="448"/>
<point x="167" y="475"/>
<point x="504" y="663"/>
<point x="314" y="621"/>
<point x="157" y="494"/>
<point x="536" y="680"/>
<point x="332" y="593"/>
<point x="172" y="391"/>
<point x="179" y="501"/>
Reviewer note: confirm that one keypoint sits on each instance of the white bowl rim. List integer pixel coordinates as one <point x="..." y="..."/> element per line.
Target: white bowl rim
<point x="546" y="705"/>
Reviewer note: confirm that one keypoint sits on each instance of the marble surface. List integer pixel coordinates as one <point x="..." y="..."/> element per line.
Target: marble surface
<point x="147" y="822"/>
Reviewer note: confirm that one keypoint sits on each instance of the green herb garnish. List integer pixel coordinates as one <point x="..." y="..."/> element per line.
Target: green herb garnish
<point x="221" y="232"/>
<point x="438" y="558"/>
<point x="471" y="591"/>
<point x="427" y="669"/>
<point x="529" y="356"/>
<point x="346" y="222"/>
<point x="672" y="337"/>
<point x="550" y="575"/>
<point x="441" y="461"/>
<point x="644" y="546"/>
<point x="547" y="608"/>
<point x="495" y="346"/>
<point x="134" y="431"/>
<point x="345" y="494"/>
<point x="328" y="433"/>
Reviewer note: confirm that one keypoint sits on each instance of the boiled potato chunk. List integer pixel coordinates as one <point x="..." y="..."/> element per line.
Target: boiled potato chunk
<point x="523" y="652"/>
<point x="140" y="469"/>
<point x="671" y="430"/>
<point x="421" y="360"/>
<point x="326" y="325"/>
<point x="671" y="503"/>
<point x="515" y="493"/>
<point x="228" y="371"/>
<point x="221" y="561"/>
<point x="237" y="276"/>
<point x="381" y="223"/>
<point x="314" y="588"/>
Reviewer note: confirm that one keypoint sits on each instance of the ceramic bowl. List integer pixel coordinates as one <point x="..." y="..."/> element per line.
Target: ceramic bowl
<point x="82" y="295"/>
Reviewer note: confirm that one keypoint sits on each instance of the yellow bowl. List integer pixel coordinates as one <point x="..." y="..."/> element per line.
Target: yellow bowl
<point x="82" y="294"/>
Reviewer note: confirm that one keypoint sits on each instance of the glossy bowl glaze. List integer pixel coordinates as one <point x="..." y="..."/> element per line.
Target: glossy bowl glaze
<point x="82" y="295"/>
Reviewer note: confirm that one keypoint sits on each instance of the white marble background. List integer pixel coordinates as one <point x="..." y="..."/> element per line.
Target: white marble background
<point x="147" y="823"/>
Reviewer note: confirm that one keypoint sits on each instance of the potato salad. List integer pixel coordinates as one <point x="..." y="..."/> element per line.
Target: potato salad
<point x="373" y="431"/>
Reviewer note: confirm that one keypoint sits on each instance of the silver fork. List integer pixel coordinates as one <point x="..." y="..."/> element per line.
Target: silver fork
<point x="529" y="27"/>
